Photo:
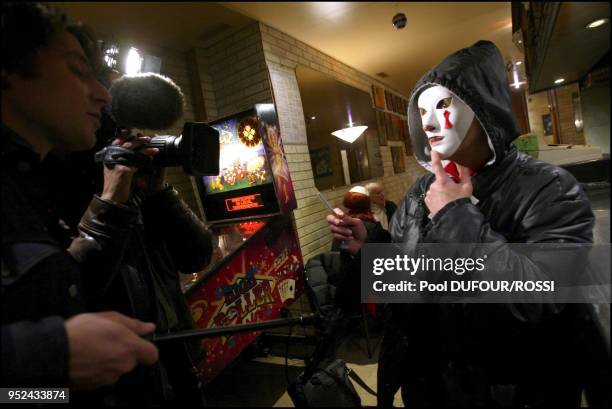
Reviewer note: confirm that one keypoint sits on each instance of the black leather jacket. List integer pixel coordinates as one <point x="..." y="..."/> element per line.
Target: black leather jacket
<point x="165" y="238"/>
<point x="111" y="264"/>
<point x="521" y="200"/>
<point x="42" y="283"/>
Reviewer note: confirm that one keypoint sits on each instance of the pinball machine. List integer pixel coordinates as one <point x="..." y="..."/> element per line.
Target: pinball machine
<point x="256" y="268"/>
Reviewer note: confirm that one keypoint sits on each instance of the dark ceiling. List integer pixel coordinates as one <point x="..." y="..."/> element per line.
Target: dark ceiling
<point x="573" y="50"/>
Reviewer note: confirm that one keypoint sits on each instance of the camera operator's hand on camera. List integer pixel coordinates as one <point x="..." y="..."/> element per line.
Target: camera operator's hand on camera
<point x="151" y="182"/>
<point x="347" y="229"/>
<point x="103" y="346"/>
<point x="118" y="179"/>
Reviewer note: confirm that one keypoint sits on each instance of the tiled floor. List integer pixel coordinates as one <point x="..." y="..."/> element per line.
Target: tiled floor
<point x="261" y="382"/>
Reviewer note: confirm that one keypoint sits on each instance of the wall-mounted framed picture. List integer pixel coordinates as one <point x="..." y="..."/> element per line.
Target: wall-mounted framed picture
<point x="321" y="162"/>
<point x="397" y="156"/>
<point x="397" y="128"/>
<point x="390" y="131"/>
<point x="402" y="129"/>
<point x="547" y="122"/>
<point x="389" y="100"/>
<point x="397" y="101"/>
<point x="382" y="128"/>
<point x="379" y="97"/>
<point x="404" y="107"/>
<point x="407" y="142"/>
<point x="389" y="126"/>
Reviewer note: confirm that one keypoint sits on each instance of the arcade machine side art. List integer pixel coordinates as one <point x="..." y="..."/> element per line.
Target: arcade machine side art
<point x="257" y="264"/>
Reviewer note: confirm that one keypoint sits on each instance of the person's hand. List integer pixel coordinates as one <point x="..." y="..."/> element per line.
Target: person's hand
<point x="151" y="182"/>
<point x="347" y="229"/>
<point x="444" y="190"/>
<point x="103" y="346"/>
<point x="118" y="179"/>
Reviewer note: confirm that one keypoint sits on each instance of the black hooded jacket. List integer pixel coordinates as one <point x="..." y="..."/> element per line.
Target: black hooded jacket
<point x="521" y="200"/>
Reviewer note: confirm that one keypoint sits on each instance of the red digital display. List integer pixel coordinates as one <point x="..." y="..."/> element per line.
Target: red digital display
<point x="243" y="202"/>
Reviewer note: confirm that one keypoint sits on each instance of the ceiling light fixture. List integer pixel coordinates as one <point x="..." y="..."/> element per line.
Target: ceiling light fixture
<point x="559" y="80"/>
<point x="350" y="134"/>
<point x="133" y="62"/>
<point x="597" y="23"/>
<point x="518" y="62"/>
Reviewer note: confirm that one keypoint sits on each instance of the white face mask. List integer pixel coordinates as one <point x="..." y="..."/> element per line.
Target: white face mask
<point x="446" y="119"/>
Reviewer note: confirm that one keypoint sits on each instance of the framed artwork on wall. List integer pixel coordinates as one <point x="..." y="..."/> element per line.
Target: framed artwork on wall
<point x="397" y="156"/>
<point x="321" y="162"/>
<point x="379" y="97"/>
<point x="389" y="100"/>
<point x="389" y="126"/>
<point x="393" y="131"/>
<point x="407" y="142"/>
<point x="402" y="129"/>
<point x="382" y="128"/>
<point x="397" y="104"/>
<point x="547" y="122"/>
<point x="397" y="128"/>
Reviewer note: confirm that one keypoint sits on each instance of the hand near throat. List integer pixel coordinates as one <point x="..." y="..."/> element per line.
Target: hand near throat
<point x="444" y="190"/>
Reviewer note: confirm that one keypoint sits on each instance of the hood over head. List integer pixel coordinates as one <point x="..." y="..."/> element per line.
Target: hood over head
<point x="477" y="76"/>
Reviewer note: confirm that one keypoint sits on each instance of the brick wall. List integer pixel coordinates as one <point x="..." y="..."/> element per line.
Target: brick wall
<point x="288" y="104"/>
<point x="283" y="54"/>
<point x="234" y="73"/>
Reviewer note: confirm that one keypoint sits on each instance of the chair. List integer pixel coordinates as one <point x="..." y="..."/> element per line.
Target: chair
<point x="323" y="273"/>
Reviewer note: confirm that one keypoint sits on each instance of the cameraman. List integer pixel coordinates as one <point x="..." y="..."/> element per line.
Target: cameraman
<point x="51" y="99"/>
<point x="164" y="237"/>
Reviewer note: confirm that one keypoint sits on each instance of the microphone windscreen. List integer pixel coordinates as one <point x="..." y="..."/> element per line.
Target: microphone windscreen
<point x="146" y="101"/>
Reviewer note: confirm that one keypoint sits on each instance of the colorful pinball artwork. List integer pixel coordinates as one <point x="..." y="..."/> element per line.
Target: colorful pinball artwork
<point x="242" y="157"/>
<point x="278" y="160"/>
<point x="279" y="165"/>
<point x="253" y="287"/>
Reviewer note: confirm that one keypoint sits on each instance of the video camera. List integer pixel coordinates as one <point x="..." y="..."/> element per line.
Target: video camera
<point x="151" y="101"/>
<point x="196" y="149"/>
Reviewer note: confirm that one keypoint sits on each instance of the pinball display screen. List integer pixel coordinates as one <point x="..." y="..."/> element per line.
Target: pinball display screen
<point x="244" y="186"/>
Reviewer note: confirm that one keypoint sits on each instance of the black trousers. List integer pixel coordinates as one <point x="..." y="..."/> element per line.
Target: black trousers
<point x="430" y="380"/>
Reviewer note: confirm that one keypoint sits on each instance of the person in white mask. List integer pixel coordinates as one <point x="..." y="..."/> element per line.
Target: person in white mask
<point x="446" y="119"/>
<point x="480" y="189"/>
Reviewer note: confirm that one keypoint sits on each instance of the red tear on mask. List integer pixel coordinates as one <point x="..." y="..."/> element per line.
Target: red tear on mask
<point x="447" y="123"/>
